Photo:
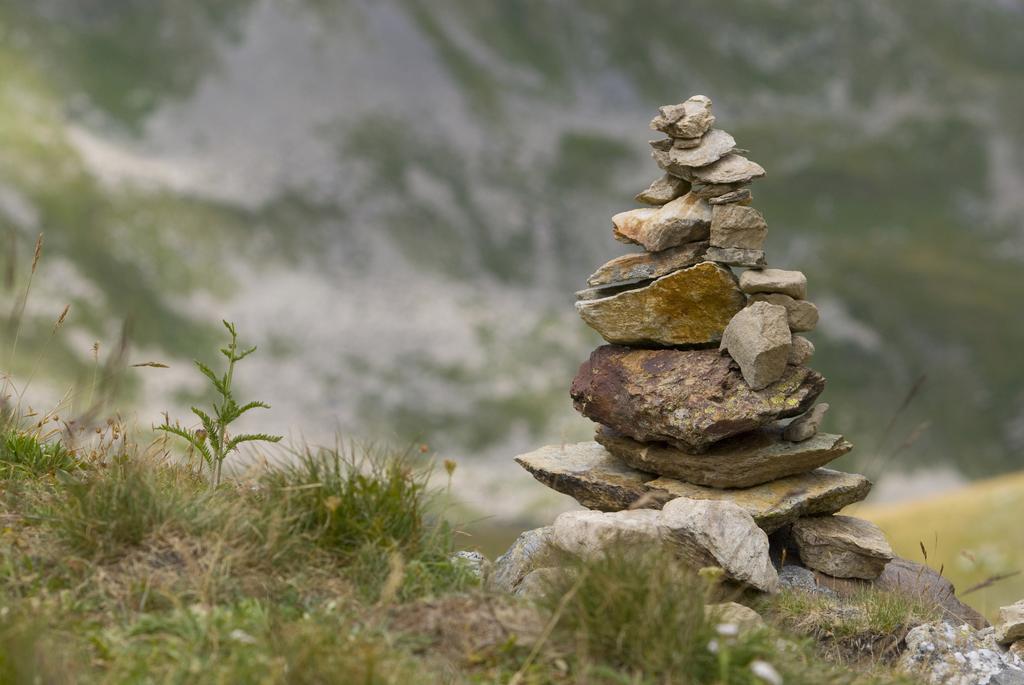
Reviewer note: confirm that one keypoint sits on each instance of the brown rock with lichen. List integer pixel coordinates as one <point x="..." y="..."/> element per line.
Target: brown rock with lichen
<point x="691" y="306"/>
<point x="688" y="398"/>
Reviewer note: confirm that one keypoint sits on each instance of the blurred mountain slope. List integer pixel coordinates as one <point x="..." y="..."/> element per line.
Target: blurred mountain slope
<point x="400" y="197"/>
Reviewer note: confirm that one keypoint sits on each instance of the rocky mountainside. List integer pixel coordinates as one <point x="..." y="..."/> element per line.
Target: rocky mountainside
<point x="395" y="197"/>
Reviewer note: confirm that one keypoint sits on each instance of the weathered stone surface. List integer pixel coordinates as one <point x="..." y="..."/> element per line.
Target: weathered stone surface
<point x="538" y="581"/>
<point x="663" y="190"/>
<point x="773" y="505"/>
<point x="589" y="474"/>
<point x="602" y="291"/>
<point x="713" y="190"/>
<point x="737" y="226"/>
<point x="805" y="427"/>
<point x="720" y="533"/>
<point x="591" y="534"/>
<point x="1017" y="650"/>
<point x="688" y="398"/>
<point x="531" y="550"/>
<point x="665" y="144"/>
<point x="648" y="265"/>
<point x="741" y="196"/>
<point x="691" y="306"/>
<point x="732" y="168"/>
<point x="944" y="654"/>
<point x="1010" y="626"/>
<point x="689" y="119"/>
<point x="750" y="459"/>
<point x="735" y="614"/>
<point x="735" y="256"/>
<point x="801" y="351"/>
<point x="792" y="283"/>
<point x="714" y="145"/>
<point x="472" y="561"/>
<point x="913" y="580"/>
<point x="682" y="220"/>
<point x="803" y="315"/>
<point x="758" y="339"/>
<point x="842" y="546"/>
<point x="800" y="578"/>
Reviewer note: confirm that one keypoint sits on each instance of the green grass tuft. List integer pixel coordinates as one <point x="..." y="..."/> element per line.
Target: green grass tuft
<point x="23" y="455"/>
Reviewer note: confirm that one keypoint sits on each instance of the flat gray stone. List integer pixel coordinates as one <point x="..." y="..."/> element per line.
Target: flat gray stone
<point x="792" y="283"/>
<point x="598" y="480"/>
<point x="758" y="339"/>
<point x="588" y="473"/>
<point x="943" y="654"/>
<point x="842" y="546"/>
<point x="731" y="168"/>
<point x="738" y="226"/>
<point x="663" y="190"/>
<point x="710" y="191"/>
<point x="746" y="460"/>
<point x="805" y="426"/>
<point x="803" y="315"/>
<point x="775" y="504"/>
<point x="734" y="256"/>
<point x="720" y="533"/>
<point x="648" y="265"/>
<point x="741" y="196"/>
<point x="713" y="145"/>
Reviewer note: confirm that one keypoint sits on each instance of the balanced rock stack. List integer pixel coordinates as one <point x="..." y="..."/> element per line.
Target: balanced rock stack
<point x="705" y="405"/>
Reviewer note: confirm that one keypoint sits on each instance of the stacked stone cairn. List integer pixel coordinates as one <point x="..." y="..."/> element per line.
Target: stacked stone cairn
<point x="708" y="424"/>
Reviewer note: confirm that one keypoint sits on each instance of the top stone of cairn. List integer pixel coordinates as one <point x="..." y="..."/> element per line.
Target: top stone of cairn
<point x="690" y="119"/>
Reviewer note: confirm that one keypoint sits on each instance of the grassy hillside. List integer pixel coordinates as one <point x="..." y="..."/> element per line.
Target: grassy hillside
<point x="974" y="534"/>
<point x="119" y="564"/>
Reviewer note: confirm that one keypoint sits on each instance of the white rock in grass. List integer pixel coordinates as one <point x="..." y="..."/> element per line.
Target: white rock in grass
<point x="591" y="534"/>
<point x="720" y="533"/>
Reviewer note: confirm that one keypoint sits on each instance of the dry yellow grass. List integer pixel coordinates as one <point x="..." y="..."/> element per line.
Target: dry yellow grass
<point x="973" y="534"/>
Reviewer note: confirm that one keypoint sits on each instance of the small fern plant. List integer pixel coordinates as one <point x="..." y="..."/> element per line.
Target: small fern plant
<point x="212" y="441"/>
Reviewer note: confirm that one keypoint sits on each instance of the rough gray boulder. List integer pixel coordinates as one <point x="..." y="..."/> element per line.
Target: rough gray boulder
<point x="947" y="654"/>
<point x="842" y="546"/>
